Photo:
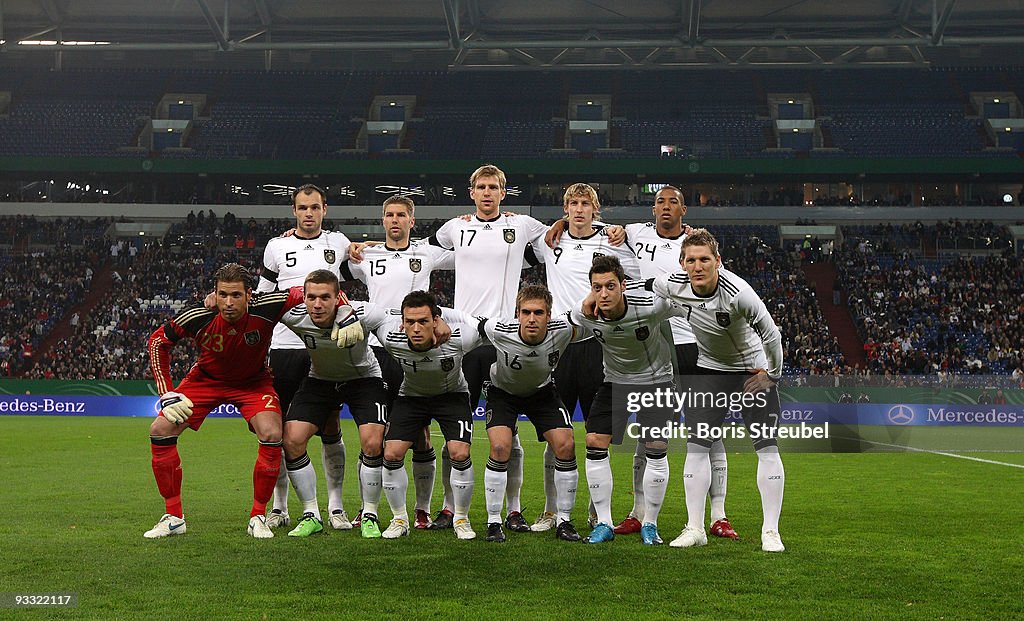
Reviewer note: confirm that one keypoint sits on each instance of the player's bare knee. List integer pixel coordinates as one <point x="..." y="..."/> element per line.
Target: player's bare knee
<point x="459" y="451"/>
<point x="394" y="453"/>
<point x="564" y="448"/>
<point x="501" y="451"/>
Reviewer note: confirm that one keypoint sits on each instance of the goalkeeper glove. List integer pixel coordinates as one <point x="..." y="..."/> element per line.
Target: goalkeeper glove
<point x="347" y="329"/>
<point x="175" y="407"/>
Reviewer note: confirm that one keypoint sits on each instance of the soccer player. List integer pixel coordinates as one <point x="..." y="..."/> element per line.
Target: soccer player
<point x="489" y="252"/>
<point x="740" y="353"/>
<point x="390" y="271"/>
<point x="625" y="320"/>
<point x="434" y="388"/>
<point x="286" y="262"/>
<point x="529" y="348"/>
<point x="337" y="376"/>
<point x="658" y="246"/>
<point x="233" y="342"/>
<point x="579" y="373"/>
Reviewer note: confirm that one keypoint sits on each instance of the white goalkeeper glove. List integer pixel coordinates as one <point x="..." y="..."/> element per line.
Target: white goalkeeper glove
<point x="347" y="328"/>
<point x="175" y="407"/>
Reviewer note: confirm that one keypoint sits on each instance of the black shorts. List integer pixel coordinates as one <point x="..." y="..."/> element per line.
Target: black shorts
<point x="476" y="366"/>
<point x="391" y="371"/>
<point x="686" y="358"/>
<point x="543" y="408"/>
<point x="317" y="401"/>
<point x="290" y="367"/>
<point x="761" y="409"/>
<point x="411" y="414"/>
<point x="610" y="413"/>
<point x="579" y="374"/>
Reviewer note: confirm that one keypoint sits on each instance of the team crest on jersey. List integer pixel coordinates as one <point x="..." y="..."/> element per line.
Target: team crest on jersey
<point x="723" y="319"/>
<point x="510" y="236"/>
<point x="553" y="359"/>
<point x="329" y="256"/>
<point x="252" y="338"/>
<point x="415" y="265"/>
<point x="447" y="364"/>
<point x="488" y="415"/>
<point x="642" y="333"/>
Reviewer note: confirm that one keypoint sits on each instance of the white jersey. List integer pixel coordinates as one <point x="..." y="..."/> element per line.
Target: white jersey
<point x="659" y="255"/>
<point x="734" y="330"/>
<point x="286" y="263"/>
<point x="328" y="361"/>
<point x="568" y="266"/>
<point x="635" y="350"/>
<point x="488" y="260"/>
<point x="427" y="373"/>
<point x="523" y="369"/>
<point x="390" y="274"/>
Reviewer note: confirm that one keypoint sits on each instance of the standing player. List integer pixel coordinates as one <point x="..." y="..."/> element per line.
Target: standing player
<point x="337" y="376"/>
<point x="286" y="262"/>
<point x="579" y="373"/>
<point x="740" y="352"/>
<point x="658" y="246"/>
<point x="435" y="388"/>
<point x="489" y="254"/>
<point x="233" y="343"/>
<point x="390" y="271"/>
<point x="625" y="320"/>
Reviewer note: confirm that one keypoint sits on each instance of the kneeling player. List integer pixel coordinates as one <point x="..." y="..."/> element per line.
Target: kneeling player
<point x="338" y="375"/>
<point x="233" y="342"/>
<point x="627" y="321"/>
<point x="740" y="354"/>
<point x="435" y="388"/>
<point x="529" y="349"/>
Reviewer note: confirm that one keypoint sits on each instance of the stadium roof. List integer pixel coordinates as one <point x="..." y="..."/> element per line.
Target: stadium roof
<point x="512" y="34"/>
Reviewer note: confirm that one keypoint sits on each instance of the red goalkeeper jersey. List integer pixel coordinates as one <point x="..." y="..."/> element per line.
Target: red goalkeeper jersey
<point x="228" y="352"/>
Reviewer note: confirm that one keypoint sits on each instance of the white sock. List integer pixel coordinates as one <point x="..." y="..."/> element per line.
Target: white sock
<point x="334" y="471"/>
<point x="462" y="488"/>
<point x="550" y="490"/>
<point x="446" y="479"/>
<point x="515" y="476"/>
<point x="719" y="480"/>
<point x="655" y="485"/>
<point x="639" y="466"/>
<point x="303" y="478"/>
<point x="566" y="479"/>
<point x="395" y="482"/>
<point x="281" y="492"/>
<point x="696" y="482"/>
<point x="495" y="481"/>
<point x="599" y="479"/>
<point x="370" y="479"/>
<point x="771" y="482"/>
<point x="424" y="464"/>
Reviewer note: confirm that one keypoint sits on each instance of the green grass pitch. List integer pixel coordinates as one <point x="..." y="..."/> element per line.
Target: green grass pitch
<point x="906" y="535"/>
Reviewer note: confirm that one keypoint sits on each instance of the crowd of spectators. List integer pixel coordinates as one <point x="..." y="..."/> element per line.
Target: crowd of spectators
<point x="39" y="287"/>
<point x="916" y="316"/>
<point x="958" y="315"/>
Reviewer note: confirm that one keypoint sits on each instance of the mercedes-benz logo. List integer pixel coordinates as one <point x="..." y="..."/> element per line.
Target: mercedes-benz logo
<point x="901" y="414"/>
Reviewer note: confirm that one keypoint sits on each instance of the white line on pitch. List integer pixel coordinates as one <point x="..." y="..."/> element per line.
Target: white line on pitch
<point x="958" y="456"/>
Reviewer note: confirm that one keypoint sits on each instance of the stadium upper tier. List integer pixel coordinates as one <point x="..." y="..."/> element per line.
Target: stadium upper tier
<point x="320" y="115"/>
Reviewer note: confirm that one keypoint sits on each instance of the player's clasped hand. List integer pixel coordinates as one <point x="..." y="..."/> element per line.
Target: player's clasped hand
<point x="758" y="382"/>
<point x="347" y="329"/>
<point x="175" y="407"/>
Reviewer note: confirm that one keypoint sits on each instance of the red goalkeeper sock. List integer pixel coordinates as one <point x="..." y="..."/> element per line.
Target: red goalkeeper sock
<point x="167" y="470"/>
<point x="264" y="476"/>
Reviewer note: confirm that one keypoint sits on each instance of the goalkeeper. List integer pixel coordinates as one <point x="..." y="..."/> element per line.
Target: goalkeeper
<point x="233" y="338"/>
